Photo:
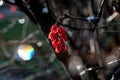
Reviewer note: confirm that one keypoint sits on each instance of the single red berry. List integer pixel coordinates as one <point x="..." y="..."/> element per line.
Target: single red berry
<point x="57" y="50"/>
<point x="64" y="37"/>
<point x="59" y="46"/>
<point x="54" y="43"/>
<point x="53" y="28"/>
<point x="52" y="36"/>
<point x="61" y="31"/>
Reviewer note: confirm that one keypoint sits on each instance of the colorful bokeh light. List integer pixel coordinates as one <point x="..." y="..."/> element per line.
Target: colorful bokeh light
<point x="26" y="52"/>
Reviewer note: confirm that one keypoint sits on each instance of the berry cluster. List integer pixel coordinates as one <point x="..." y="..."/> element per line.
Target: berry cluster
<point x="58" y="37"/>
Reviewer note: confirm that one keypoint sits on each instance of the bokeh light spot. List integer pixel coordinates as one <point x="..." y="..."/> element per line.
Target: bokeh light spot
<point x="13" y="8"/>
<point x="1" y="2"/>
<point x="1" y="15"/>
<point x="26" y="52"/>
<point x="21" y="21"/>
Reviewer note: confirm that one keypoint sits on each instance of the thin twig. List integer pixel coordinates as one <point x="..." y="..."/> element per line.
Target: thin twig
<point x="67" y="15"/>
<point x="4" y="49"/>
<point x="83" y="28"/>
<point x="35" y="75"/>
<point x="10" y="26"/>
<point x="6" y="64"/>
<point x="30" y="36"/>
<point x="98" y="15"/>
<point x="110" y="31"/>
<point x="16" y="42"/>
<point x="25" y="26"/>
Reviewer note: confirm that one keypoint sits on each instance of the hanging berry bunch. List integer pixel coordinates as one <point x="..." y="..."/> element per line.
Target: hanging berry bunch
<point x="58" y="37"/>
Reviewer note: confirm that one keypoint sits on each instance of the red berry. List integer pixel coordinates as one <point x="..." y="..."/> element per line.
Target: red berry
<point x="53" y="28"/>
<point x="58" y="48"/>
<point x="61" y="31"/>
<point x="57" y="36"/>
<point x="52" y="36"/>
<point x="64" y="37"/>
<point x="54" y="43"/>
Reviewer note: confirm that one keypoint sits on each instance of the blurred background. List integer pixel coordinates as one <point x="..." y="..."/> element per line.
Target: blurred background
<point x="24" y="51"/>
<point x="27" y="54"/>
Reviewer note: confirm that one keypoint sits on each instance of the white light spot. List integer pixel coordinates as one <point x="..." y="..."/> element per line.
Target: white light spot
<point x="45" y="10"/>
<point x="21" y="21"/>
<point x="109" y="19"/>
<point x="83" y="72"/>
<point x="39" y="44"/>
<point x="78" y="67"/>
<point x="26" y="52"/>
<point x="1" y="2"/>
<point x="89" y="69"/>
<point x="111" y="62"/>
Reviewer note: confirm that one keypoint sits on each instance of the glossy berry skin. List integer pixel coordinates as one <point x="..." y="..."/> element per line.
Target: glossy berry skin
<point x="58" y="37"/>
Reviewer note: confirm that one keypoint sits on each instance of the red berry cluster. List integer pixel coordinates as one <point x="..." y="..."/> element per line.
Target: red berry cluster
<point x="58" y="37"/>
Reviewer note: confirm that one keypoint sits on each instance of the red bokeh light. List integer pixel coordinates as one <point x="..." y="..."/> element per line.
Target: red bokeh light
<point x="13" y="8"/>
<point x="1" y="15"/>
